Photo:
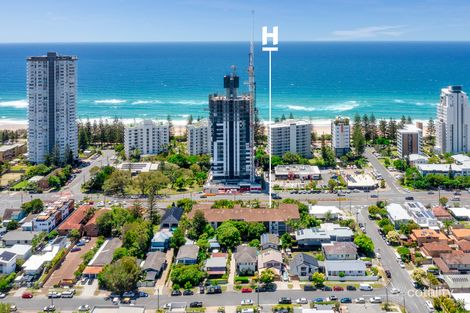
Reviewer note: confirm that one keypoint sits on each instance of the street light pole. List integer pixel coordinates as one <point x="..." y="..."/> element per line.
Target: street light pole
<point x="158" y="299"/>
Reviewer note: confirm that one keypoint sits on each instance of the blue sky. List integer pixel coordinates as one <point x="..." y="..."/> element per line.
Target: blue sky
<point x="229" y="20"/>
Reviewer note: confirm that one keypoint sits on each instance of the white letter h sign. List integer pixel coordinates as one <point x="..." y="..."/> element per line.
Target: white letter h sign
<point x="274" y="36"/>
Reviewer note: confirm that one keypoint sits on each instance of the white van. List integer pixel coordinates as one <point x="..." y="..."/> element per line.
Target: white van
<point x="430" y="306"/>
<point x="365" y="287"/>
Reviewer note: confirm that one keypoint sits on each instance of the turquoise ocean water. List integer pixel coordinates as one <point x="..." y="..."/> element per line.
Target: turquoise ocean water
<point x="312" y="80"/>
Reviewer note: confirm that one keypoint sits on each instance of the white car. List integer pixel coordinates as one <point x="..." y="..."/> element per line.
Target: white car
<point x="2" y="295"/>
<point x="402" y="265"/>
<point x="360" y="300"/>
<point x="395" y="290"/>
<point x="84" y="308"/>
<point x="247" y="302"/>
<point x="301" y="301"/>
<point x="375" y="300"/>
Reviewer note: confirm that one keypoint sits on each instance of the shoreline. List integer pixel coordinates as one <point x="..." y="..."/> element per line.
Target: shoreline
<point x="320" y="126"/>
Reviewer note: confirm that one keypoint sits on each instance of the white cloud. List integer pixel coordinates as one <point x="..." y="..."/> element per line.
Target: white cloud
<point x="370" y="32"/>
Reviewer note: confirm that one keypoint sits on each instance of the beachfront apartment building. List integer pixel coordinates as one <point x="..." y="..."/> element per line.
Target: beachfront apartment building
<point x="51" y="86"/>
<point x="409" y="141"/>
<point x="291" y="136"/>
<point x="231" y="127"/>
<point x="198" y="135"/>
<point x="148" y="137"/>
<point x="453" y="121"/>
<point x="340" y="136"/>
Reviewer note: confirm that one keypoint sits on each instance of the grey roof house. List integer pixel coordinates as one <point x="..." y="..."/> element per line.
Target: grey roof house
<point x="345" y="268"/>
<point x="153" y="266"/>
<point x="187" y="254"/>
<point x="19" y="237"/>
<point x="171" y="218"/>
<point x="246" y="259"/>
<point x="303" y="266"/>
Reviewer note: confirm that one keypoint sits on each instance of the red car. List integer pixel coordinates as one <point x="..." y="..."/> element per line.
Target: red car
<point x="338" y="288"/>
<point x="27" y="295"/>
<point x="247" y="290"/>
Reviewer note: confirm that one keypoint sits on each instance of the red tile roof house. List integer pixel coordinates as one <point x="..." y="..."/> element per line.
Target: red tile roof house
<point x="464" y="246"/>
<point x="275" y="219"/>
<point x="435" y="249"/>
<point x="75" y="220"/>
<point x="441" y="213"/>
<point x="421" y="236"/>
<point x="91" y="228"/>
<point x="456" y="262"/>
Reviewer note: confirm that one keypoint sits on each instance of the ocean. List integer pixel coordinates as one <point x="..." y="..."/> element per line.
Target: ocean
<point x="316" y="81"/>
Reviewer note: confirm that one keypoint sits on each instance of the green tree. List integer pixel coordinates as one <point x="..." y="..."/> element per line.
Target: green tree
<point x="364" y="244"/>
<point x="443" y="201"/>
<point x="255" y="230"/>
<point x="119" y="253"/>
<point x="178" y="239"/>
<point x="228" y="235"/>
<point x="393" y="237"/>
<point x="117" y="182"/>
<point x="291" y="158"/>
<point x="267" y="276"/>
<point x="54" y="182"/>
<point x="136" y="238"/>
<point x="318" y="278"/>
<point x="198" y="224"/>
<point x="183" y="274"/>
<point x="12" y="225"/>
<point x="418" y="275"/>
<point x="34" y="206"/>
<point x="286" y="240"/>
<point x="120" y="276"/>
<point x="74" y="234"/>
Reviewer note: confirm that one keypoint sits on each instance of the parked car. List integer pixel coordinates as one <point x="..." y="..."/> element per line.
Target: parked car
<point x="326" y="288"/>
<point x="402" y="265"/>
<point x="201" y="289"/>
<point x="375" y="300"/>
<point x="13" y="308"/>
<point x="84" y="308"/>
<point x="332" y="298"/>
<point x="301" y="301"/>
<point x="75" y="249"/>
<point x="409" y="198"/>
<point x="275" y="196"/>
<point x="338" y="288"/>
<point x="360" y="300"/>
<point x="54" y="295"/>
<point x="247" y="290"/>
<point x="318" y="300"/>
<point x="345" y="300"/>
<point x="2" y="295"/>
<point x="350" y="288"/>
<point x="388" y="273"/>
<point x="49" y="308"/>
<point x="143" y="294"/>
<point x="214" y="289"/>
<point x="175" y="293"/>
<point x="188" y="292"/>
<point x="285" y="300"/>
<point x="195" y="304"/>
<point x="308" y="287"/>
<point x="67" y="294"/>
<point x="246" y="302"/>
<point x="395" y="290"/>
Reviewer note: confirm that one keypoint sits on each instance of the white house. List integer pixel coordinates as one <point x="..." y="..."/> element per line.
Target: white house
<point x="321" y="211"/>
<point x="345" y="268"/>
<point x="246" y="259"/>
<point x="340" y="251"/>
<point x="7" y="262"/>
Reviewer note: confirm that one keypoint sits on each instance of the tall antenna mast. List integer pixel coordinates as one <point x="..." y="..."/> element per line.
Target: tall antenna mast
<point x="252" y="91"/>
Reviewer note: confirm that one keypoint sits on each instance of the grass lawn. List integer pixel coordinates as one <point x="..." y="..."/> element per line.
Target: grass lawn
<point x="20" y="185"/>
<point x="19" y="168"/>
<point x="9" y="177"/>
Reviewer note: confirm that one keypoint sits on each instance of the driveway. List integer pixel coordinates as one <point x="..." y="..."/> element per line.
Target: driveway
<point x="69" y="266"/>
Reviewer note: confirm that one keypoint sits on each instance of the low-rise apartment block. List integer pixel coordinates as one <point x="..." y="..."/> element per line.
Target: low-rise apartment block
<point x="147" y="136"/>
